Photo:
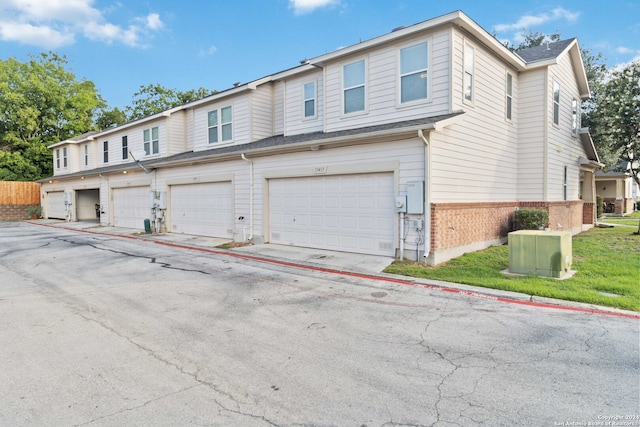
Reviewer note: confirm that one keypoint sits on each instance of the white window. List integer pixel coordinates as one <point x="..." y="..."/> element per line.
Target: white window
<point x="151" y="141"/>
<point x="310" y="99"/>
<point x="105" y="151"/>
<point x="58" y="158"/>
<point x="556" y="103"/>
<point x="220" y="125"/>
<point x="353" y="78"/>
<point x="64" y="157"/>
<point x="468" y="72"/>
<point x="575" y="117"/>
<point x="86" y="154"/>
<point x="125" y="147"/>
<point x="509" y="100"/>
<point x="414" y="67"/>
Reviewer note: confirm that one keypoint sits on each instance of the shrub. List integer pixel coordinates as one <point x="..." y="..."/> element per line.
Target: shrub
<point x="531" y="219"/>
<point x="599" y="206"/>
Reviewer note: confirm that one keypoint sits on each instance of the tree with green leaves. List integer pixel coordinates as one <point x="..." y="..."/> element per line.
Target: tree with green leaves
<point x="41" y="103"/>
<point x="618" y="116"/>
<point x="109" y="117"/>
<point x="155" y="98"/>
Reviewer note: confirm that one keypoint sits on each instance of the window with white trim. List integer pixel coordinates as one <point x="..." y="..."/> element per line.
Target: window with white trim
<point x="469" y="53"/>
<point x="353" y="86"/>
<point x="575" y="116"/>
<point x="220" y="125"/>
<point x="86" y="154"/>
<point x="509" y="96"/>
<point x="556" y="103"/>
<point x="57" y="158"/>
<point x="64" y="157"/>
<point x="309" y="99"/>
<point x="151" y="141"/>
<point x="125" y="147"/>
<point x="414" y="72"/>
<point x="105" y="151"/>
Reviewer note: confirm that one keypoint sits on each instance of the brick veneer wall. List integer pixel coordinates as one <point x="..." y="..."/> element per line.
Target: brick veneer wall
<point x="14" y="212"/>
<point x="588" y="212"/>
<point x="456" y="225"/>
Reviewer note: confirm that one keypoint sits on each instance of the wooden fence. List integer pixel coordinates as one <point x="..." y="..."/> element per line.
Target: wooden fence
<point x="19" y="193"/>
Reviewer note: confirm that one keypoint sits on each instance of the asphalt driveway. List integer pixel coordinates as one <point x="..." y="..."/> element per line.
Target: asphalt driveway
<point x="106" y="331"/>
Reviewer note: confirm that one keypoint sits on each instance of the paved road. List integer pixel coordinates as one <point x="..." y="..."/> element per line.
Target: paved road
<point x="105" y="331"/>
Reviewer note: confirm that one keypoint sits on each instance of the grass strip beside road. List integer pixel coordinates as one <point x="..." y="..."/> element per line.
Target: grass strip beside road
<point x="606" y="260"/>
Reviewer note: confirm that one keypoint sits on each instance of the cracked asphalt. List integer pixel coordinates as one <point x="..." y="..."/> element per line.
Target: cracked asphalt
<point x="104" y="331"/>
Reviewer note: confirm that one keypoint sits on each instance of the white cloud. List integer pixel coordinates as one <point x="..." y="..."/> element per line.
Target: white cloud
<point x="623" y="50"/>
<point x="209" y="51"/>
<point x="528" y="21"/>
<point x="56" y="23"/>
<point x="302" y="7"/>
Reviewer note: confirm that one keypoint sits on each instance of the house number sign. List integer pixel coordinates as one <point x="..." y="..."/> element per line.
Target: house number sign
<point x="319" y="170"/>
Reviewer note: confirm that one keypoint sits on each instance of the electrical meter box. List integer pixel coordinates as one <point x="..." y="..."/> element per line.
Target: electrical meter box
<point x="415" y="197"/>
<point x="540" y="253"/>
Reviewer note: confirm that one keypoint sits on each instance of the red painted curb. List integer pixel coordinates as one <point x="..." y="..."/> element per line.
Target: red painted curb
<point x="361" y="275"/>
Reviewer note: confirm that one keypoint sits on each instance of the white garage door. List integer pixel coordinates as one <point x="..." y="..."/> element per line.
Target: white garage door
<point x="202" y="209"/>
<point x="351" y="213"/>
<point x="131" y="207"/>
<point x="55" y="204"/>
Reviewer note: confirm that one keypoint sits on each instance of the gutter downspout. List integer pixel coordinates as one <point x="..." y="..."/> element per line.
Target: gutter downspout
<point x="250" y="195"/>
<point x="427" y="197"/>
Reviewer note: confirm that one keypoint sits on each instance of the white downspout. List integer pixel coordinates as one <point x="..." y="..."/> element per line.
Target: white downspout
<point x="427" y="197"/>
<point x="250" y="195"/>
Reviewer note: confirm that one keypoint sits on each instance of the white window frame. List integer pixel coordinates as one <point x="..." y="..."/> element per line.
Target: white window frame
<point x="151" y="145"/>
<point x="105" y="151"/>
<point x="220" y="126"/>
<point x="65" y="162"/>
<point x="468" y="73"/>
<point x="556" y="102"/>
<point x="313" y="99"/>
<point x="125" y="147"/>
<point x="424" y="73"/>
<point x="57" y="158"/>
<point x="575" y="117"/>
<point x="86" y="154"/>
<point x="358" y="85"/>
<point x="508" y="81"/>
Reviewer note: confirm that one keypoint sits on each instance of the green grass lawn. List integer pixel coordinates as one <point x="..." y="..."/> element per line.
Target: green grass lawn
<point x="605" y="259"/>
<point x="631" y="219"/>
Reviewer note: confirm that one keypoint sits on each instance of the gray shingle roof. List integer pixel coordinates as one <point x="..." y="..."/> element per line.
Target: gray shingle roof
<point x="544" y="51"/>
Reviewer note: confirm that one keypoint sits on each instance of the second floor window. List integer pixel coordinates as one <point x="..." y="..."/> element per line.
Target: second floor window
<point x="575" y="117"/>
<point x="556" y="103"/>
<point x="310" y="99"/>
<point x="353" y="78"/>
<point x="64" y="157"/>
<point x="125" y="147"/>
<point x="220" y="125"/>
<point x="105" y="152"/>
<point x="86" y="154"/>
<point x="468" y="72"/>
<point x="414" y="64"/>
<point x="509" y="100"/>
<point x="151" y="141"/>
<point x="58" y="158"/>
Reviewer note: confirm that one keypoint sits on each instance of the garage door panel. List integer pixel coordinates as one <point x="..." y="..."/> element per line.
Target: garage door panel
<point x="353" y="213"/>
<point x="202" y="209"/>
<point x="131" y="207"/>
<point x="55" y="204"/>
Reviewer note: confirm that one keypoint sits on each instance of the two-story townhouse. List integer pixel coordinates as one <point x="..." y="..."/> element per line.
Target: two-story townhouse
<point x="421" y="142"/>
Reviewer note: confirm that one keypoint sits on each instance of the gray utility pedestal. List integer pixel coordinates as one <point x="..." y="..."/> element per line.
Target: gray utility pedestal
<point x="540" y="253"/>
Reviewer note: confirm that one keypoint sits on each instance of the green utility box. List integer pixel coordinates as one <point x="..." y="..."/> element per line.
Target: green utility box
<point x="540" y="253"/>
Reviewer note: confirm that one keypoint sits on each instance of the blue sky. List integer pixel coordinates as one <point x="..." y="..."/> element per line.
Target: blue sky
<point x="121" y="45"/>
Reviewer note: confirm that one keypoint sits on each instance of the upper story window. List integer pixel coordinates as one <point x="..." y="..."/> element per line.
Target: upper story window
<point x="414" y="67"/>
<point x="509" y="96"/>
<point x="575" y="116"/>
<point x="220" y="124"/>
<point x="353" y="78"/>
<point x="125" y="147"/>
<point x="151" y="141"/>
<point x="85" y="153"/>
<point x="469" y="53"/>
<point x="64" y="157"/>
<point x="105" y="151"/>
<point x="310" y="99"/>
<point x="57" y="158"/>
<point x="556" y="103"/>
